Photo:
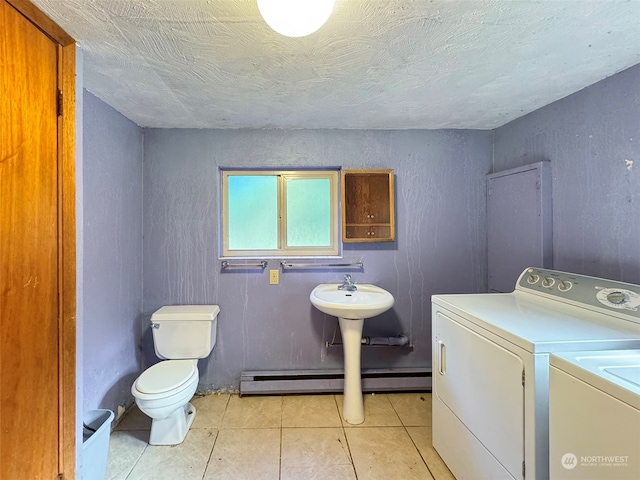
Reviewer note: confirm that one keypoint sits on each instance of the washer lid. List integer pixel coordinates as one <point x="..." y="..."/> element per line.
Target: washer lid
<point x="615" y="372"/>
<point x="630" y="373"/>
<point x="165" y="376"/>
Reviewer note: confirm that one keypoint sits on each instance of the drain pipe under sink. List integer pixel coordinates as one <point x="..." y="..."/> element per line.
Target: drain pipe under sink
<point x="399" y="341"/>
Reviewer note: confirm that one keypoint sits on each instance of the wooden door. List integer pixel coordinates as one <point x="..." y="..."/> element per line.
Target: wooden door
<point x="34" y="408"/>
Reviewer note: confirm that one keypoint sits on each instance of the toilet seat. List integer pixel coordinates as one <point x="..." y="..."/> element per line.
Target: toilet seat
<point x="168" y="376"/>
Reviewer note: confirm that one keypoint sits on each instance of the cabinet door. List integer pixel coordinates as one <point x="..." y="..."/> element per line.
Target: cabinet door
<point x="368" y="206"/>
<point x="519" y="223"/>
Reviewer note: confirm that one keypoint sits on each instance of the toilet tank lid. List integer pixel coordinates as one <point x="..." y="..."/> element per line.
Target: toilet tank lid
<point x="186" y="312"/>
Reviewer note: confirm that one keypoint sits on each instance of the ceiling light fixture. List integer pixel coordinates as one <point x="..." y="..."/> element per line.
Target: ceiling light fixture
<point x="295" y="18"/>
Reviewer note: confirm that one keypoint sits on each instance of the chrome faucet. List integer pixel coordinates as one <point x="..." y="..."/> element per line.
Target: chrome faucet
<point x="348" y="284"/>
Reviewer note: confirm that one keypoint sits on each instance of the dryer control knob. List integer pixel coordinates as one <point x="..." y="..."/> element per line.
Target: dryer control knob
<point x="616" y="297"/>
<point x="565" y="286"/>
<point x="533" y="278"/>
<point x="548" y="281"/>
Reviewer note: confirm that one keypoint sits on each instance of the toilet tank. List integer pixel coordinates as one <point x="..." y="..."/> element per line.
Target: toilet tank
<point x="184" y="331"/>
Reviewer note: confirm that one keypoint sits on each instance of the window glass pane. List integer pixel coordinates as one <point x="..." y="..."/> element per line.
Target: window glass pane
<point x="308" y="212"/>
<point x="253" y="212"/>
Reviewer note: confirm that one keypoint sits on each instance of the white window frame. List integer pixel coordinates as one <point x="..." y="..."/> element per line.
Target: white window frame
<point x="282" y="251"/>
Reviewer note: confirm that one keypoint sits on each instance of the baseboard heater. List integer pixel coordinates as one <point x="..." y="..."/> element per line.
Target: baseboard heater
<point x="332" y="381"/>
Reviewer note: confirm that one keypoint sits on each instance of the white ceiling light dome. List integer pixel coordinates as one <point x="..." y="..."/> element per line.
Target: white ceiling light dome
<point x="295" y="18"/>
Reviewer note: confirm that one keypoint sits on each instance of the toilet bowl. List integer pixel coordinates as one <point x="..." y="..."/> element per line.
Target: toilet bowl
<point x="181" y="335"/>
<point x="163" y="392"/>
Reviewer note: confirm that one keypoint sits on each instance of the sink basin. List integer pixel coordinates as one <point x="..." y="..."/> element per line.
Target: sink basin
<point x="365" y="302"/>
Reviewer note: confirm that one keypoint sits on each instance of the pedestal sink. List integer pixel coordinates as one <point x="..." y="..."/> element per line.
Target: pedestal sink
<point x="351" y="308"/>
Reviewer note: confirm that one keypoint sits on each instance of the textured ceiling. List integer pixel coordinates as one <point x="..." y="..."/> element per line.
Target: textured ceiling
<point x="376" y="64"/>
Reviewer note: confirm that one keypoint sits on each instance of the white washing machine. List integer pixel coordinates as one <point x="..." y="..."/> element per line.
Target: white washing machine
<point x="491" y="365"/>
<point x="594" y="415"/>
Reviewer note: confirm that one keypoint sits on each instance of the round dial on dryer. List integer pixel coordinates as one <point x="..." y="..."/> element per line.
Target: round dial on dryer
<point x="533" y="278"/>
<point x="616" y="297"/>
<point x="565" y="286"/>
<point x="619" y="298"/>
<point x="548" y="281"/>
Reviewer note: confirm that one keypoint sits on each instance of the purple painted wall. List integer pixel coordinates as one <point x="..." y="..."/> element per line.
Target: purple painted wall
<point x="440" y="247"/>
<point x="112" y="255"/>
<point x="592" y="139"/>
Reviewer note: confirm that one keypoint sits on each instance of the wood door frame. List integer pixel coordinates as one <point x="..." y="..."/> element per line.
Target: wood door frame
<point x="66" y="233"/>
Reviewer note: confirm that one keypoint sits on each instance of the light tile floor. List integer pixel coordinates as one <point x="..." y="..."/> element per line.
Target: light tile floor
<point x="297" y="437"/>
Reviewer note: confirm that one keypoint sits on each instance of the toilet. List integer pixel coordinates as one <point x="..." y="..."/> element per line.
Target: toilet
<point x="181" y="335"/>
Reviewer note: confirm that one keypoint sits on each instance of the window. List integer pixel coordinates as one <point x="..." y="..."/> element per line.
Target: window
<point x="279" y="213"/>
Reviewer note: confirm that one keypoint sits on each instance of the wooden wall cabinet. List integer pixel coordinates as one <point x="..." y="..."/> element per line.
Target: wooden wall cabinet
<point x="368" y="206"/>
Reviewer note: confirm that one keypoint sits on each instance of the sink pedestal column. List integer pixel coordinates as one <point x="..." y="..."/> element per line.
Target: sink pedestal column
<point x="353" y="408"/>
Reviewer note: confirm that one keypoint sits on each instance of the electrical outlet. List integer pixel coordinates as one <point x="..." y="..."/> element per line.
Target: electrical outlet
<point x="274" y="278"/>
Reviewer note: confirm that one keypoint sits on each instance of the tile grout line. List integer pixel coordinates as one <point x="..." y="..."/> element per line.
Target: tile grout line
<point x="224" y="413"/>
<point x="217" y="437"/>
<point x="280" y="456"/>
<point x="346" y="440"/>
<point x="424" y="460"/>
<point x="210" y="454"/>
<point x="136" y="462"/>
<point x="404" y="426"/>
